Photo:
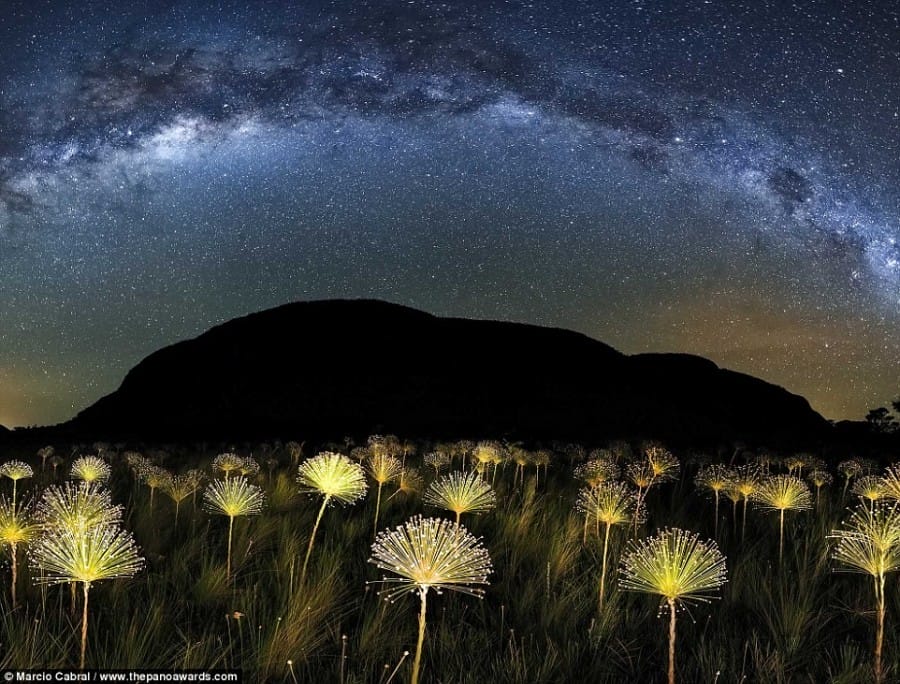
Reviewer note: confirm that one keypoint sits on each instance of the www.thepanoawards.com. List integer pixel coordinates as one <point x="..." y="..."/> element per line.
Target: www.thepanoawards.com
<point x="230" y="676"/>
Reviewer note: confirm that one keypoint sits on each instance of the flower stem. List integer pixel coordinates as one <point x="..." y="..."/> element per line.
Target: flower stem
<point x="423" y="593"/>
<point x="228" y="562"/>
<point x="603" y="570"/>
<point x="671" y="641"/>
<point x="84" y="623"/>
<point x="312" y="538"/>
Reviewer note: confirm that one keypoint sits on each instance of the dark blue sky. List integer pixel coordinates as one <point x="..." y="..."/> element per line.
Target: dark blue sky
<point x="709" y="177"/>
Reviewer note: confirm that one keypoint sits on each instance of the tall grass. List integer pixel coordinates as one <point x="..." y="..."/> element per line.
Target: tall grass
<point x="798" y="621"/>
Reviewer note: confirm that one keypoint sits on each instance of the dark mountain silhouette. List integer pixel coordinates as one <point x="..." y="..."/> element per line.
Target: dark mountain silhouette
<point x="331" y="368"/>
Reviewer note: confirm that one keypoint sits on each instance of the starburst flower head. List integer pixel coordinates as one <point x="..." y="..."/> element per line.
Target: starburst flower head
<point x="16" y="470"/>
<point x="849" y="468"/>
<point x="541" y="457"/>
<point x="228" y="463"/>
<point x="437" y="460"/>
<point x="487" y="451"/>
<point x="90" y="469"/>
<point x="384" y="468"/>
<point x="98" y="553"/>
<point x="333" y="475"/>
<point x="431" y="553"/>
<point x="17" y="524"/>
<point x="869" y="487"/>
<point x="77" y="507"/>
<point x="716" y="477"/>
<point x="233" y="497"/>
<point x="732" y="493"/>
<point x="383" y="445"/>
<point x="521" y="457"/>
<point x="676" y="565"/>
<point x="640" y="474"/>
<point x="662" y="462"/>
<point x="597" y="471"/>
<point x="155" y="476"/>
<point x="869" y="541"/>
<point x="136" y="460"/>
<point x="180" y="487"/>
<point x="891" y="482"/>
<point x="461" y="493"/>
<point x="783" y="493"/>
<point x="410" y="481"/>
<point x="797" y="462"/>
<point x="249" y="466"/>
<point x="819" y="478"/>
<point x="611" y="503"/>
<point x="746" y="479"/>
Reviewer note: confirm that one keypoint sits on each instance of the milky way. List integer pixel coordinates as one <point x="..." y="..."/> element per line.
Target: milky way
<point x="709" y="177"/>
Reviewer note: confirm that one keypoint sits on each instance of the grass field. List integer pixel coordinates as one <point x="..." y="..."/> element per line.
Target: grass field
<point x="797" y="620"/>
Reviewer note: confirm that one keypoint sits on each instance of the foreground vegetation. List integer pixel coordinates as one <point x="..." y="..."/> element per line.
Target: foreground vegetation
<point x="291" y="567"/>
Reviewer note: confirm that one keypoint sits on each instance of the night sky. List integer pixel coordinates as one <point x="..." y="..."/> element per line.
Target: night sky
<point x="711" y="177"/>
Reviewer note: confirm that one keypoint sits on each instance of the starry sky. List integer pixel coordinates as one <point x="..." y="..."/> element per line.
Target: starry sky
<point x="719" y="178"/>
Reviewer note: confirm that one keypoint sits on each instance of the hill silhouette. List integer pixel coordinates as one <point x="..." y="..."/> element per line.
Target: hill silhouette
<point x="324" y="369"/>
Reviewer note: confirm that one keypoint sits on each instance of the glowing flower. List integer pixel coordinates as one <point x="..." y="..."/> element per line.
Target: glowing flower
<point x="17" y="527"/>
<point x="15" y="471"/>
<point x="869" y="488"/>
<point x="438" y="460"/>
<point x="597" y="471"/>
<point x="383" y="469"/>
<point x="333" y="475"/>
<point x="180" y="487"/>
<point x="890" y="483"/>
<point x="337" y="478"/>
<point x="90" y="555"/>
<point x="409" y="482"/>
<point x="460" y="493"/>
<point x="716" y="478"/>
<point x="90" y="469"/>
<point x="663" y="463"/>
<point x="819" y="478"/>
<point x="234" y="497"/>
<point x="870" y="543"/>
<point x="77" y="507"/>
<point x="430" y="553"/>
<point x="228" y="463"/>
<point x="610" y="503"/>
<point x="783" y="493"/>
<point x="249" y="466"/>
<point x="155" y="477"/>
<point x="679" y="568"/>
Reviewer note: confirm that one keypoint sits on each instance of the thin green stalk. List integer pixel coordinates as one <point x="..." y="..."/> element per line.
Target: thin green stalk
<point x="879" y="630"/>
<point x="312" y="538"/>
<point x="423" y="593"/>
<point x="780" y="536"/>
<point x="84" y="623"/>
<point x="716" y="524"/>
<point x="603" y="566"/>
<point x="377" y="509"/>
<point x="671" y="641"/>
<point x="228" y="561"/>
<point x="744" y="521"/>
<point x="12" y="548"/>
